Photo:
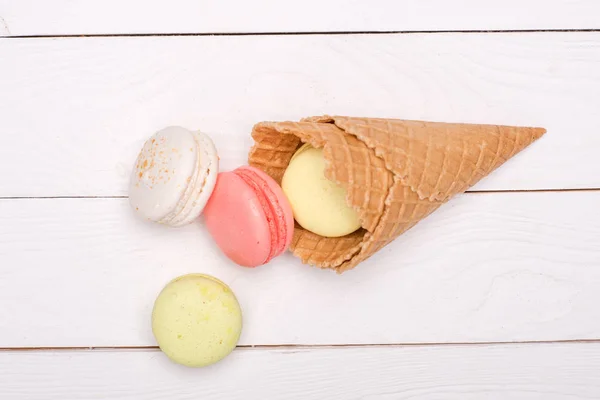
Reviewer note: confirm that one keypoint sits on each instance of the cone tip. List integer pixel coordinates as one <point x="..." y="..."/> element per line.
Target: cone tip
<point x="537" y="132"/>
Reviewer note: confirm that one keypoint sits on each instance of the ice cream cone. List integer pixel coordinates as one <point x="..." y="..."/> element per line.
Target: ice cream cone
<point x="396" y="172"/>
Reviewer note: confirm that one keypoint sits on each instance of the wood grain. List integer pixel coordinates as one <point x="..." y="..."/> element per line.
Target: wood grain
<point x="65" y="17"/>
<point x="550" y="372"/>
<point x="75" y="112"/>
<point x="501" y="267"/>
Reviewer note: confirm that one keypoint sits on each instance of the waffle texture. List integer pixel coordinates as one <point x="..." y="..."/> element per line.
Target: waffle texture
<point x="396" y="172"/>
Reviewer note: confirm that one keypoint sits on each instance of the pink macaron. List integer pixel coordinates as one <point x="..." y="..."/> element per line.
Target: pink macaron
<point x="249" y="217"/>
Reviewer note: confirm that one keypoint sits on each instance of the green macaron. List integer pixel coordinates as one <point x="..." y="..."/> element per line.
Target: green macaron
<point x="196" y="320"/>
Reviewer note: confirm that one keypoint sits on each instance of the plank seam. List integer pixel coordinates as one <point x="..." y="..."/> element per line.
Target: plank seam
<point x="300" y="33"/>
<point x="313" y="346"/>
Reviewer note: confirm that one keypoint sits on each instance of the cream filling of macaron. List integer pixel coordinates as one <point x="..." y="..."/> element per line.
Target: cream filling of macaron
<point x="167" y="219"/>
<point x="205" y="182"/>
<point x="197" y="182"/>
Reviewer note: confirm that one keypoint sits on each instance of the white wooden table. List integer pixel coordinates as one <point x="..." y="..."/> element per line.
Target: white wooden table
<point x="495" y="296"/>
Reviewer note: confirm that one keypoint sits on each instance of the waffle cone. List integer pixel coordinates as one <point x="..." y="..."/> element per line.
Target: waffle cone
<point x="396" y="172"/>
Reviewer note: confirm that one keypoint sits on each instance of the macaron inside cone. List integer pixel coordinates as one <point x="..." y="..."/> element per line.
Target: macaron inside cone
<point x="174" y="176"/>
<point x="319" y="204"/>
<point x="249" y="217"/>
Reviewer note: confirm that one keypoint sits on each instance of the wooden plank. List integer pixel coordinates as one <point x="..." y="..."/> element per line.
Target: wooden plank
<point x="76" y="111"/>
<point x="65" y="17"/>
<point x="524" y="372"/>
<point x="485" y="267"/>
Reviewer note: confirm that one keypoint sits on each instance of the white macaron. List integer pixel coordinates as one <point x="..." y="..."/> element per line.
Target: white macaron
<point x="174" y="176"/>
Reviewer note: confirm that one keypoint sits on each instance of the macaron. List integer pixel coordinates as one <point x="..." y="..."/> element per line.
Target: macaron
<point x="196" y="320"/>
<point x="174" y="176"/>
<point x="319" y="205"/>
<point x="249" y="217"/>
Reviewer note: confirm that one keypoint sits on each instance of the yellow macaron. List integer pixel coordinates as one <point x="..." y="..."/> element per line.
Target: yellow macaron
<point x="319" y="205"/>
<point x="196" y="320"/>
